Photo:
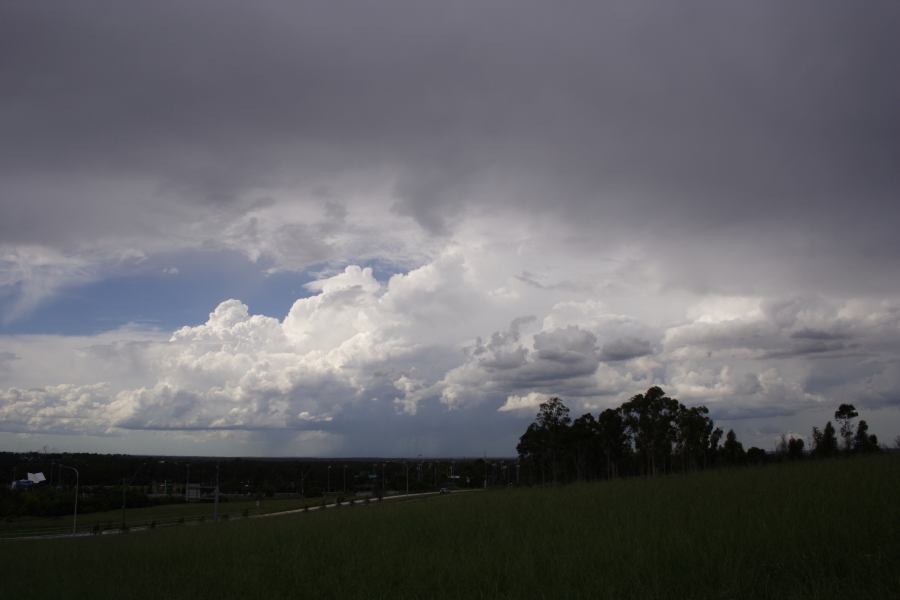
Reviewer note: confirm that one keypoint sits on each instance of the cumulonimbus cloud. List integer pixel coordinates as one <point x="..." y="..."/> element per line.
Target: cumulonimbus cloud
<point x="357" y="340"/>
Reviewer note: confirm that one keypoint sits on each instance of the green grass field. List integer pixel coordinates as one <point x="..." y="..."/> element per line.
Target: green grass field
<point x="828" y="529"/>
<point x="161" y="515"/>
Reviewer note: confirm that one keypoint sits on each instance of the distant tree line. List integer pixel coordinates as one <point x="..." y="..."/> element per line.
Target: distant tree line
<point x="825" y="441"/>
<point x="144" y="480"/>
<point x="651" y="434"/>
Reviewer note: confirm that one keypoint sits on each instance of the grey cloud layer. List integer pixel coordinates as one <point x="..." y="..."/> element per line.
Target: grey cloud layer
<point x="700" y="124"/>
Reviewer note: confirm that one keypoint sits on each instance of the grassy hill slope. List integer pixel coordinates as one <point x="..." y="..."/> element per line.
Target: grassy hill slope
<point x="826" y="529"/>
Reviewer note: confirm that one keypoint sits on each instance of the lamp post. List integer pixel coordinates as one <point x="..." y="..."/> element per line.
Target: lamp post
<point x="216" y="502"/>
<point x="344" y="478"/>
<point x="75" y="513"/>
<point x="303" y="475"/>
<point x="133" y="477"/>
<point x="406" y="466"/>
<point x="187" y="483"/>
<point x="328" y="481"/>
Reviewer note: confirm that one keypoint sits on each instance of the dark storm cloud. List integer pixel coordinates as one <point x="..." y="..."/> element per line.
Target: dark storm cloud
<point x="625" y="349"/>
<point x="687" y="121"/>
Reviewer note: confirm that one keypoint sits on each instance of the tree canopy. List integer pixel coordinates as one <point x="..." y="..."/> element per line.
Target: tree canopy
<point x="652" y="433"/>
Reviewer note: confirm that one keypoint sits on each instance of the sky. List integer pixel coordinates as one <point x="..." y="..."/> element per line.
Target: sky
<point x="395" y="228"/>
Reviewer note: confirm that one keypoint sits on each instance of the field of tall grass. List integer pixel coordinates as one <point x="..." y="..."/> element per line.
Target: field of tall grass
<point x="816" y="529"/>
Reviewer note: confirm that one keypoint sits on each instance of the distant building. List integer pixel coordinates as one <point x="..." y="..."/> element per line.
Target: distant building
<point x="194" y="491"/>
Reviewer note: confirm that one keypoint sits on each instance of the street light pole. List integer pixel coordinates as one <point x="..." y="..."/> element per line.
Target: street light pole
<point x="216" y="506"/>
<point x="75" y="514"/>
<point x="344" y="479"/>
<point x="328" y="481"/>
<point x="133" y="477"/>
<point x="187" y="483"/>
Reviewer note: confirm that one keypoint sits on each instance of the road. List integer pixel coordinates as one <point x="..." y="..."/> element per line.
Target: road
<point x="356" y="502"/>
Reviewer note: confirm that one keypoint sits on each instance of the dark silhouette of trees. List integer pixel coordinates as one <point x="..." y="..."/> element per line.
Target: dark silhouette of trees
<point x="713" y="449"/>
<point x="732" y="450"/>
<point x="845" y="415"/>
<point x="612" y="438"/>
<point x="532" y="452"/>
<point x="756" y="456"/>
<point x="650" y="434"/>
<point x="695" y="437"/>
<point x="651" y="421"/>
<point x="863" y="442"/>
<point x="546" y="441"/>
<point x="583" y="445"/>
<point x="824" y="441"/>
<point x="795" y="448"/>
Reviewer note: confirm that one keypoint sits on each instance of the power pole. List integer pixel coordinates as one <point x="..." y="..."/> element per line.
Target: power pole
<point x="75" y="512"/>
<point x="216" y="503"/>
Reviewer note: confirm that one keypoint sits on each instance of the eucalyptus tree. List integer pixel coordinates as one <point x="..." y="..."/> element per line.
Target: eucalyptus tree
<point x="694" y="436"/>
<point x="545" y="441"/>
<point x="583" y="446"/>
<point x="651" y="421"/>
<point x="863" y="442"/>
<point x="732" y="449"/>
<point x="845" y="415"/>
<point x="613" y="440"/>
<point x="824" y="441"/>
<point x="795" y="448"/>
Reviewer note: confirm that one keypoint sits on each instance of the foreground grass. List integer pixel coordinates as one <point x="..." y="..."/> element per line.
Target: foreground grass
<point x="827" y="529"/>
<point x="160" y="515"/>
